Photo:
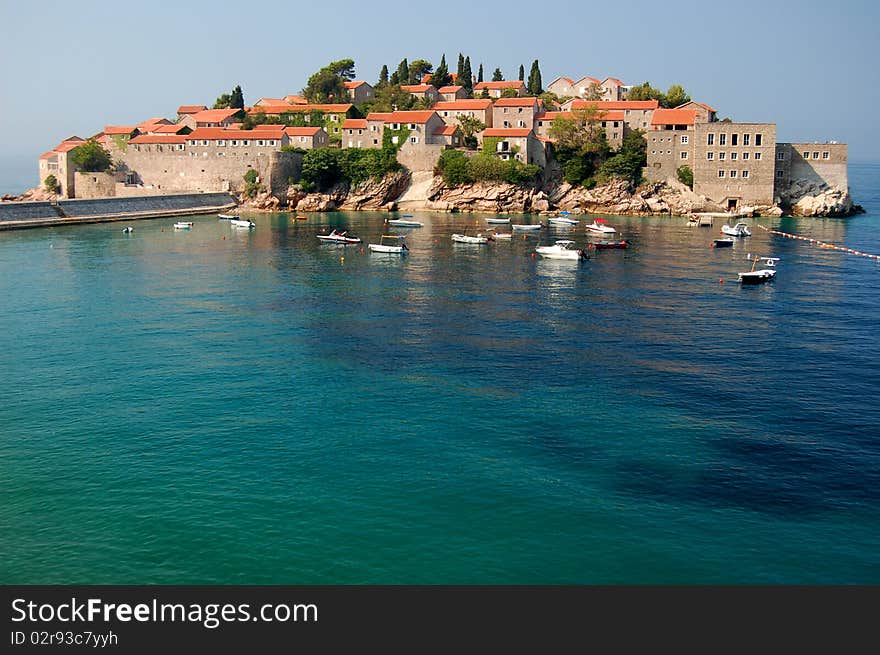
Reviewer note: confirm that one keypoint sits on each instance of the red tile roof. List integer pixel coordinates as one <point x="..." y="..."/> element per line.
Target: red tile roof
<point x="426" y="78"/>
<point x="214" y="133"/>
<point x="447" y="130"/>
<point x="295" y="100"/>
<point x="48" y="155"/>
<point x="355" y="124"/>
<point x="268" y="127"/>
<point x="504" y="84"/>
<point x="158" y="138"/>
<point x="167" y="129"/>
<point x="518" y="102"/>
<point x="614" y="80"/>
<point x="214" y="115"/>
<point x="459" y="105"/>
<point x="416" y="88"/>
<point x="589" y="80"/>
<point x="119" y="129"/>
<point x="353" y="84"/>
<point x="379" y="115"/>
<point x="67" y="146"/>
<point x="153" y="121"/>
<point x="674" y="117"/>
<point x="450" y="89"/>
<point x="280" y="109"/>
<point x="410" y="116"/>
<point x="302" y="131"/>
<point x="270" y="101"/>
<point x="615" y="104"/>
<point x="510" y="131"/>
<point x="570" y="115"/>
<point x="564" y="79"/>
<point x="190" y="109"/>
<point x="699" y="104"/>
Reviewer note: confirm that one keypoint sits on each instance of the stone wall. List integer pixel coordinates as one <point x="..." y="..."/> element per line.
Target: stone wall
<point x="420" y="156"/>
<point x="94" y="185"/>
<point x="667" y="150"/>
<point x="814" y="164"/>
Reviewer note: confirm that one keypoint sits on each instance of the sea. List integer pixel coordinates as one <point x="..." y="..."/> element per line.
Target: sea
<point x="228" y="406"/>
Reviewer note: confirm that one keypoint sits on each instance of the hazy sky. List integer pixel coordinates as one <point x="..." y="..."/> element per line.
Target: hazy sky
<point x="73" y="67"/>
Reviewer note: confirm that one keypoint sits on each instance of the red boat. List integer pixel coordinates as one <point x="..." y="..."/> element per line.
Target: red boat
<point x="605" y="245"/>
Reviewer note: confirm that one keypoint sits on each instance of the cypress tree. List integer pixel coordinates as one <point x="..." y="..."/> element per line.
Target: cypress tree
<point x="237" y="101"/>
<point x="383" y="76"/>
<point x="535" y="84"/>
<point x="403" y="72"/>
<point x="480" y="74"/>
<point x="460" y="70"/>
<point x="522" y="73"/>
<point x="440" y="77"/>
<point x="467" y="79"/>
<point x="497" y="75"/>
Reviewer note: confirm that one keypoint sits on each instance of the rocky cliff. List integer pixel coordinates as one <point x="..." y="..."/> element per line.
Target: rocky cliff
<point x="803" y="198"/>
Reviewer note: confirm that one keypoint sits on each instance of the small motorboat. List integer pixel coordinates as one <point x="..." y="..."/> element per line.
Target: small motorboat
<point x="562" y="220"/>
<point x="226" y="217"/>
<point x="725" y="242"/>
<point x="738" y="230"/>
<point x="467" y="238"/>
<point x="242" y="222"/>
<point x="609" y="245"/>
<point x="404" y="222"/>
<point x="503" y="235"/>
<point x="183" y="225"/>
<point x="525" y="227"/>
<point x="761" y="274"/>
<point x="127" y="230"/>
<point x="300" y="218"/>
<point x="563" y="249"/>
<point x="498" y="221"/>
<point x="389" y="243"/>
<point x="339" y="237"/>
<point x="600" y="226"/>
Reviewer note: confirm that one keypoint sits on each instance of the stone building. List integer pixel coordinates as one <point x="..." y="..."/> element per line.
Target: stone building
<point x="56" y="163"/>
<point x="563" y="87"/>
<point x="421" y="92"/>
<point x="705" y="113"/>
<point x="816" y="164"/>
<point x="610" y="121"/>
<point x="209" y="118"/>
<point x="479" y="108"/>
<point x="355" y="134"/>
<point x="637" y="114"/>
<point x="189" y="110"/>
<point x="518" y="143"/>
<point x="451" y="93"/>
<point x="497" y="89"/>
<point x="516" y="112"/>
<point x="359" y="91"/>
<point x="331" y="115"/>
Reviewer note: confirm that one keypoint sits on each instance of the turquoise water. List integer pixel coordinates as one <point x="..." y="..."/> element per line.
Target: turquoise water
<point x="219" y="406"/>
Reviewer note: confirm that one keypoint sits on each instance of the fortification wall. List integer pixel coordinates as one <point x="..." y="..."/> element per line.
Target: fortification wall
<point x="418" y="157"/>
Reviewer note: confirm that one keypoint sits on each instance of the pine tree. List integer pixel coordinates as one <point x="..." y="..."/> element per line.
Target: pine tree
<point x="480" y="74"/>
<point x="466" y="79"/>
<point x="403" y="72"/>
<point x="383" y="76"/>
<point x="535" y="84"/>
<point x="522" y="73"/>
<point x="440" y="77"/>
<point x="497" y="76"/>
<point x="237" y="101"/>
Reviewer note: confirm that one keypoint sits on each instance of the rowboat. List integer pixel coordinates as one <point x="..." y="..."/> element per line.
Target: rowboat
<point x="562" y="249"/>
<point x="241" y="222"/>
<point x="389" y="243"/>
<point x="760" y="275"/>
<point x="466" y="238"/>
<point x="183" y="225"/>
<point x="404" y="222"/>
<point x="339" y="237"/>
<point x="525" y="227"/>
<point x="726" y="242"/>
<point x="608" y="245"/>
<point x="226" y="217"/>
<point x="562" y="220"/>
<point x="498" y="221"/>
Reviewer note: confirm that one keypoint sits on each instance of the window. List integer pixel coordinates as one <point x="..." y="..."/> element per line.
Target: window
<point x="733" y="139"/>
<point x="446" y="113"/>
<point x="261" y="142"/>
<point x="720" y="173"/>
<point x="733" y="156"/>
<point x="684" y="155"/>
<point x="684" y="139"/>
<point x="745" y="174"/>
<point x="413" y="126"/>
<point x="826" y="155"/>
<point x="375" y="142"/>
<point x="245" y="142"/>
<point x="221" y="142"/>
<point x="815" y="155"/>
<point x="722" y="139"/>
<point x="710" y="156"/>
<point x="780" y="173"/>
<point x="615" y="135"/>
<point x="414" y="139"/>
<point x="204" y="142"/>
<point x="746" y="139"/>
<point x="758" y="139"/>
<point x="395" y="126"/>
<point x="732" y="173"/>
<point x="757" y="155"/>
<point x="745" y="156"/>
<point x="780" y="156"/>
<point x="616" y="123"/>
<point x="722" y="155"/>
<point x="506" y="124"/>
<point x="521" y="123"/>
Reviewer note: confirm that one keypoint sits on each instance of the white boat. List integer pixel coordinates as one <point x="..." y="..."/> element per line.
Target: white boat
<point x="404" y="222"/>
<point x="525" y="227"/>
<point x="562" y="220"/>
<point x="339" y="237"/>
<point x="467" y="238"/>
<point x="240" y="222"/>
<point x="226" y="217"/>
<point x="563" y="249"/>
<point x="128" y="230"/>
<point x="738" y="230"/>
<point x="498" y="221"/>
<point x="759" y="275"/>
<point x="183" y="225"/>
<point x="599" y="226"/>
<point x="389" y="243"/>
<point x="503" y="235"/>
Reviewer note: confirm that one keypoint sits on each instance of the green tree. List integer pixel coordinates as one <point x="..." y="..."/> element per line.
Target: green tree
<point x="480" y="74"/>
<point x="237" y="98"/>
<point x="251" y="185"/>
<point x="418" y="69"/>
<point x="509" y="93"/>
<point x="646" y="92"/>
<point x="441" y="77"/>
<point x="470" y="125"/>
<point x="522" y="73"/>
<point x="497" y="75"/>
<point x="535" y="86"/>
<point x="328" y="84"/>
<point x="391" y="98"/>
<point x="466" y="79"/>
<point x="685" y="175"/>
<point x="383" y="76"/>
<point x="676" y="96"/>
<point x="402" y="72"/>
<point x="322" y="167"/>
<point x="594" y="92"/>
<point x="460" y="68"/>
<point x="91" y="157"/>
<point x="51" y="184"/>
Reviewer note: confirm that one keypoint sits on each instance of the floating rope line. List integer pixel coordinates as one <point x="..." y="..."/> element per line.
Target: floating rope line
<point x="821" y="244"/>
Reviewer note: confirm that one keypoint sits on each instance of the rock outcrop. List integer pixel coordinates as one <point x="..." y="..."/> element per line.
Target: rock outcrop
<point x="810" y="199"/>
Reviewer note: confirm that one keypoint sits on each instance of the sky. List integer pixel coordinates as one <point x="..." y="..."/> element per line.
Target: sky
<point x="73" y="67"/>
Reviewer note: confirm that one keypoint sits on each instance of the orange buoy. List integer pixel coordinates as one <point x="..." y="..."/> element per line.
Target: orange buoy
<point x="721" y="281"/>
